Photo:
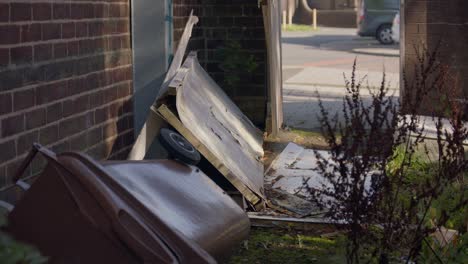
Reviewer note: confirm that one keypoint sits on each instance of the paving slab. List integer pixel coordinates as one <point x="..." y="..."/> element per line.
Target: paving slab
<point x="336" y="77"/>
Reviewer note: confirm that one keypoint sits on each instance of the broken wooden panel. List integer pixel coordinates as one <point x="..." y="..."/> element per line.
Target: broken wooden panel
<point x="290" y="204"/>
<point x="294" y="172"/>
<point x="195" y="88"/>
<point x="233" y="144"/>
<point x="174" y="121"/>
<point x="285" y="181"/>
<point x="292" y="168"/>
<point x="180" y="53"/>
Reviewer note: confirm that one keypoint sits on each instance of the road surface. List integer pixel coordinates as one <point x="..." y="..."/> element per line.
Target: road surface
<point x="316" y="62"/>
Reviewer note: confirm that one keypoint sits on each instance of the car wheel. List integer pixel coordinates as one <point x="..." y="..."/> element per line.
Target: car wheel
<point x="384" y="34"/>
<point x="178" y="147"/>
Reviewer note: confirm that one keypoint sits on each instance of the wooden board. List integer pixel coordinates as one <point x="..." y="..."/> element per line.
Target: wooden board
<point x="174" y="121"/>
<point x="272" y="21"/>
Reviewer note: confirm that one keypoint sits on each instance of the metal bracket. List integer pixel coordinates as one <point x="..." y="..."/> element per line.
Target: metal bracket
<point x="23" y="185"/>
<point x="7" y="206"/>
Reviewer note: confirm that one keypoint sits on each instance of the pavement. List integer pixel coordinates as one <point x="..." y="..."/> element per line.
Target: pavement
<point x="317" y="64"/>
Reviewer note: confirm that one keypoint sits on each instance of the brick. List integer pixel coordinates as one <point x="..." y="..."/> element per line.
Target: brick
<point x="101" y="10"/>
<point x="124" y="90"/>
<point x="60" y="50"/>
<point x="51" y="31"/>
<point x="102" y="78"/>
<point x="10" y="79"/>
<point x="74" y="106"/>
<point x="82" y="11"/>
<point x="81" y="29"/>
<point x="123" y="26"/>
<point x="101" y="114"/>
<point x="92" y="81"/>
<point x="73" y="48"/>
<point x="42" y="52"/>
<point x="5" y="103"/>
<point x="36" y="118"/>
<point x="30" y="33"/>
<point x="21" y="55"/>
<point x="78" y="143"/>
<point x="74" y="125"/>
<point x="32" y="75"/>
<point x="54" y="112"/>
<point x="12" y="125"/>
<point x="110" y="94"/>
<point x="99" y="151"/>
<point x="51" y="92"/>
<point x="118" y="10"/>
<point x="25" y="142"/>
<point x="77" y="86"/>
<point x="4" y="57"/>
<point x="94" y="136"/>
<point x="96" y="28"/>
<point x="122" y="124"/>
<point x="96" y="99"/>
<point x="62" y="11"/>
<point x="8" y="151"/>
<point x="4" y="12"/>
<point x="57" y="70"/>
<point x="127" y="107"/>
<point x="42" y="11"/>
<point x="61" y="147"/>
<point x="20" y="11"/>
<point x="125" y="42"/>
<point x="48" y="135"/>
<point x="114" y="43"/>
<point x="109" y="130"/>
<point x="121" y="74"/>
<point x="24" y="99"/>
<point x="10" y="34"/>
<point x="68" y="30"/>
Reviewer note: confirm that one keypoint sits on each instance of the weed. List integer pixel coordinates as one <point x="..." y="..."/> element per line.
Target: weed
<point x="378" y="180"/>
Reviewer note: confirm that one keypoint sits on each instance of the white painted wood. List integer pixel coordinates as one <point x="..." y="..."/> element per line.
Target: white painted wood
<point x="272" y="21"/>
<point x="219" y="125"/>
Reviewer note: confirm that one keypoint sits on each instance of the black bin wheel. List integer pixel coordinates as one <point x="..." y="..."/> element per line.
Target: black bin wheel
<point x="178" y="147"/>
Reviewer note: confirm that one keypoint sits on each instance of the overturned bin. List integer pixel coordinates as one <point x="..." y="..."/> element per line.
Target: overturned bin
<point x="82" y="211"/>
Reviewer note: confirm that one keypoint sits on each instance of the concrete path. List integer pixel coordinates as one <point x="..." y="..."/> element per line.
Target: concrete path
<point x="316" y="63"/>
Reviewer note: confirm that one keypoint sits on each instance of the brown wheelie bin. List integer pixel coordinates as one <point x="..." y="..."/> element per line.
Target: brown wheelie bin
<point x="82" y="211"/>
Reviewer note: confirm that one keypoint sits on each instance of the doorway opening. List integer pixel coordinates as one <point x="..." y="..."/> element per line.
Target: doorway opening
<point x="317" y="60"/>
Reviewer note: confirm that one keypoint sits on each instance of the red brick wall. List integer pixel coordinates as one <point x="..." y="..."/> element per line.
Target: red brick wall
<point x="429" y="21"/>
<point x="220" y="21"/>
<point x="65" y="79"/>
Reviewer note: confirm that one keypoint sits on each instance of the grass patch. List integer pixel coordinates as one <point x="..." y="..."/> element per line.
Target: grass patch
<point x="306" y="133"/>
<point x="298" y="28"/>
<point x="285" y="246"/>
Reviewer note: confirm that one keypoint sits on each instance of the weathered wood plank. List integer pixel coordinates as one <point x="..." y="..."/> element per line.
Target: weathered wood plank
<point x="174" y="121"/>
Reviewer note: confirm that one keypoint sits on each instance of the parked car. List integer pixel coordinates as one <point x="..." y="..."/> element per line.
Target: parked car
<point x="375" y="19"/>
<point x="396" y="28"/>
